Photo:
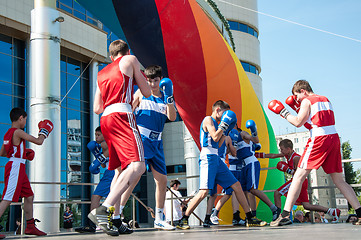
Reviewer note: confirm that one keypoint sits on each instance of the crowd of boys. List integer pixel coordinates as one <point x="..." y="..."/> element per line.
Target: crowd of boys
<point x="129" y="141"/>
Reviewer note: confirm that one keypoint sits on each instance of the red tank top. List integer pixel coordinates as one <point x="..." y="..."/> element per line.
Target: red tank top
<point x="12" y="150"/>
<point x="290" y="160"/>
<point x="115" y="86"/>
<point x="321" y="114"/>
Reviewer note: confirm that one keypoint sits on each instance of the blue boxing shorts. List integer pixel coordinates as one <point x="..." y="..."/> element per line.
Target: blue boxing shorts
<point x="250" y="175"/>
<point x="238" y="176"/>
<point x="213" y="171"/>
<point x="154" y="155"/>
<point x="103" y="187"/>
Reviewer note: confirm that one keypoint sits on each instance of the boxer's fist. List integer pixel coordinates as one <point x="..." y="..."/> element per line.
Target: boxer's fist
<point x="94" y="168"/>
<point x="97" y="151"/>
<point x="228" y="121"/>
<point x="282" y="166"/>
<point x="293" y="103"/>
<point x="278" y="108"/>
<point x="308" y="126"/>
<point x="251" y="125"/>
<point x="29" y="154"/>
<point x="45" y="127"/>
<point x="166" y="86"/>
<point x="257" y="146"/>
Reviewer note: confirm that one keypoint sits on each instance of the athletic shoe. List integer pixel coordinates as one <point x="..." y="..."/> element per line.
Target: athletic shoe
<point x="31" y="228"/>
<point x="335" y="214"/>
<point x="239" y="222"/>
<point x="280" y="221"/>
<point x="215" y="220"/>
<point x="207" y="223"/>
<point x="86" y="229"/>
<point x="276" y="214"/>
<point x="183" y="224"/>
<point x="122" y="229"/>
<point x="255" y="222"/>
<point x="358" y="222"/>
<point x="163" y="225"/>
<point x="101" y="217"/>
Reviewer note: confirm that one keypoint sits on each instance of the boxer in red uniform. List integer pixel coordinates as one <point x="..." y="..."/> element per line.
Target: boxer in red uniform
<point x="16" y="181"/>
<point x="322" y="149"/>
<point x="113" y="98"/>
<point x="286" y="147"/>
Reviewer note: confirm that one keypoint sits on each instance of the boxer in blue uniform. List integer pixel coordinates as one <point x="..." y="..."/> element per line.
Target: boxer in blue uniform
<point x="151" y="115"/>
<point x="211" y="167"/>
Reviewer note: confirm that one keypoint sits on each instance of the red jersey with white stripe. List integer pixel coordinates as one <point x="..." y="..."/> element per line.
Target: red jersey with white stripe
<point x="290" y="160"/>
<point x="321" y="114"/>
<point x="115" y="86"/>
<point x="11" y="149"/>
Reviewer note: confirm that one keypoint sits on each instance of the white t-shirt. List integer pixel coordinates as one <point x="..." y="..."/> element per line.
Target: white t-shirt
<point x="177" y="208"/>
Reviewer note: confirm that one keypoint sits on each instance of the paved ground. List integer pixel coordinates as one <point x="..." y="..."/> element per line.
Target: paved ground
<point x="296" y="231"/>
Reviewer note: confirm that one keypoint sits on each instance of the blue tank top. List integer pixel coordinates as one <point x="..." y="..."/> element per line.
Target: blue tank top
<point x="236" y="138"/>
<point x="222" y="151"/>
<point x="152" y="113"/>
<point x="245" y="150"/>
<point x="205" y="138"/>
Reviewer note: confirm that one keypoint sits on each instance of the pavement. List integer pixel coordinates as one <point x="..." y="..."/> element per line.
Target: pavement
<point x="225" y="232"/>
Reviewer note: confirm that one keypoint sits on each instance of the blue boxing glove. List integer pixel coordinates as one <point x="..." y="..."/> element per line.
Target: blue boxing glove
<point x="257" y="146"/>
<point x="94" y="168"/>
<point x="166" y="86"/>
<point x="228" y="121"/>
<point x="97" y="151"/>
<point x="251" y="125"/>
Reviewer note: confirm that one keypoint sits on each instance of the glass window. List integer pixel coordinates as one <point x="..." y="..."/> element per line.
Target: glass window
<point x="69" y="3"/>
<point x="252" y="69"/>
<point x="233" y="25"/>
<point x="6" y="68"/>
<point x="245" y="66"/>
<point x="251" y="31"/>
<point x="80" y="15"/>
<point x="243" y="27"/>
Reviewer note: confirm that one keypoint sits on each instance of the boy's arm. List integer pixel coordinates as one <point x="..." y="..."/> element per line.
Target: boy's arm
<point x="296" y="159"/>
<point x="216" y="135"/>
<point x="136" y="99"/>
<point x="302" y="116"/>
<point x="232" y="150"/>
<point x="98" y="106"/>
<point x="171" y="112"/>
<point x="2" y="151"/>
<point x="246" y="137"/>
<point x="20" y="134"/>
<point x="140" y="78"/>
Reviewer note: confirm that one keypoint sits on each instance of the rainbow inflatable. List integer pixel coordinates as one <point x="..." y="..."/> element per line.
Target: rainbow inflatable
<point x="180" y="37"/>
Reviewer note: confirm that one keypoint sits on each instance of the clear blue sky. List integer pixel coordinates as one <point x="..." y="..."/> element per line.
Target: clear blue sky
<point x="331" y="64"/>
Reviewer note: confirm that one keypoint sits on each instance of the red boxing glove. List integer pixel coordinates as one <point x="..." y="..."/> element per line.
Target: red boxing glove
<point x="259" y="155"/>
<point x="29" y="154"/>
<point x="45" y="127"/>
<point x="278" y="108"/>
<point x="293" y="103"/>
<point x="283" y="167"/>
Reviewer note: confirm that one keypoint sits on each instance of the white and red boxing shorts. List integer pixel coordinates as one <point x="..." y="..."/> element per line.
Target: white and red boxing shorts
<point x="322" y="151"/>
<point x="303" y="194"/>
<point x="122" y="136"/>
<point x="16" y="181"/>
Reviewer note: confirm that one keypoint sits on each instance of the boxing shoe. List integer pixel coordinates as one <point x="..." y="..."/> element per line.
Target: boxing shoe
<point x="163" y="225"/>
<point x="31" y="228"/>
<point x="255" y="222"/>
<point x="276" y="214"/>
<point x="281" y="221"/>
<point x="86" y="229"/>
<point x="183" y="224"/>
<point x="214" y="220"/>
<point x="101" y="217"/>
<point x="207" y="223"/>
<point x="335" y="214"/>
<point x="239" y="222"/>
<point x="358" y="222"/>
<point x="122" y="229"/>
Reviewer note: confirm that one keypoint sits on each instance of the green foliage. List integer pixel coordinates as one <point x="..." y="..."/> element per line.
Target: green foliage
<point x="224" y="21"/>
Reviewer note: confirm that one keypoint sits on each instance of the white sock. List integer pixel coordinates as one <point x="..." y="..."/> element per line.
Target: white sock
<point x="121" y="209"/>
<point x="116" y="217"/>
<point x="158" y="214"/>
<point x="106" y="205"/>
